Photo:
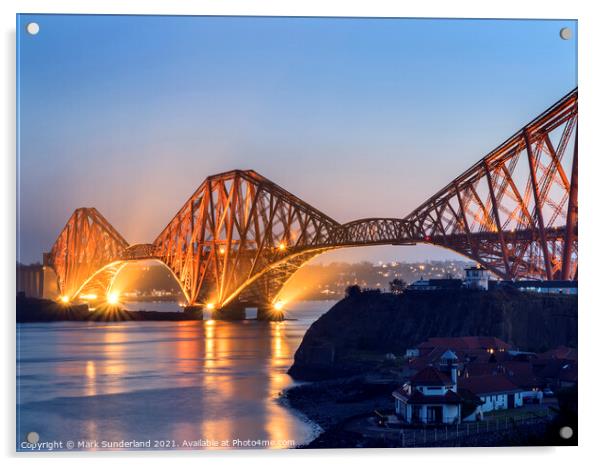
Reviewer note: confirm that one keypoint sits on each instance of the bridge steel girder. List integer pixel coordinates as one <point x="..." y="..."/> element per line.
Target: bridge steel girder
<point x="241" y="236"/>
<point x="86" y="244"/>
<point x="233" y="229"/>
<point x="518" y="190"/>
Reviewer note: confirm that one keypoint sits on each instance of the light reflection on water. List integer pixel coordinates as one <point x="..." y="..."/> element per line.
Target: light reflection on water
<point x="210" y="380"/>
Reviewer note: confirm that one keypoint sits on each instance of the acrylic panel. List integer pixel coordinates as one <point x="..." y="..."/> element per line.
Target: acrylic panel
<point x="295" y="232"/>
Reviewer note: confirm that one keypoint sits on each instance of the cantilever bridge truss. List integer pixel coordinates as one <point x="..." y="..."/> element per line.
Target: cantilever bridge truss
<point x="241" y="236"/>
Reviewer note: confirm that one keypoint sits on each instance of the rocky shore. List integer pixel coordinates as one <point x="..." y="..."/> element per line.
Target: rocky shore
<point x="329" y="402"/>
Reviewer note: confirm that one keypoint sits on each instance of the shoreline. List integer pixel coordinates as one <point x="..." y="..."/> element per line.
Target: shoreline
<point x="330" y="404"/>
<point x="282" y="400"/>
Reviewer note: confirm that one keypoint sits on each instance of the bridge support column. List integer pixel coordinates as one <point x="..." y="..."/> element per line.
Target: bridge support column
<point x="268" y="313"/>
<point x="233" y="311"/>
<point x="194" y="311"/>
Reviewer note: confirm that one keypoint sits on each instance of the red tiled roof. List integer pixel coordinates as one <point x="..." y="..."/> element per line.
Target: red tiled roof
<point x="521" y="373"/>
<point x="562" y="352"/>
<point x="429" y="357"/>
<point x="488" y="384"/>
<point x="521" y="370"/>
<point x="430" y="376"/>
<point x="562" y="369"/>
<point x="418" y="397"/>
<point x="477" y="368"/>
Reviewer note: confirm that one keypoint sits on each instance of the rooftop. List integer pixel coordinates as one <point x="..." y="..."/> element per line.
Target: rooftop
<point x="431" y="376"/>
<point x="449" y="354"/>
<point x="562" y="352"/>
<point x="488" y="384"/>
<point x="420" y="398"/>
<point x="561" y="369"/>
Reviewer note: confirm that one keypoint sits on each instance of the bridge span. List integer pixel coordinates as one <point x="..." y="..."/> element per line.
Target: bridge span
<point x="240" y="236"/>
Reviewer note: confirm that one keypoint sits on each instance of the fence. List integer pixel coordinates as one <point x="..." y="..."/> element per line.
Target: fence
<point x="416" y="437"/>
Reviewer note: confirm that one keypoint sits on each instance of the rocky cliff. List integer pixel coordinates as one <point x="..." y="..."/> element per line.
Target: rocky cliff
<point x="358" y="331"/>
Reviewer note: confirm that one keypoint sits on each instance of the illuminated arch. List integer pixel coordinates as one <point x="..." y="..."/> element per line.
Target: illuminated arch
<point x="102" y="281"/>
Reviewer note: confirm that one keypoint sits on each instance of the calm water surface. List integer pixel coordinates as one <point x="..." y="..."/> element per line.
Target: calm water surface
<point x="174" y="381"/>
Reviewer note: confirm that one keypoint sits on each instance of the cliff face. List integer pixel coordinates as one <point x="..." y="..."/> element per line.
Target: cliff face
<point x="338" y="342"/>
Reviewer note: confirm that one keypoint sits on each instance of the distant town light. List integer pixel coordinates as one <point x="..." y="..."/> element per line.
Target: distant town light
<point x="210" y="306"/>
<point x="88" y="297"/>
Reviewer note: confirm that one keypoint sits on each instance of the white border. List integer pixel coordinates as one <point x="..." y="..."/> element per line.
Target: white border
<point x="590" y="199"/>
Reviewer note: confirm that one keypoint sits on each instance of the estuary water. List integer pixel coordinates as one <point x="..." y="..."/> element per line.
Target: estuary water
<point x="160" y="385"/>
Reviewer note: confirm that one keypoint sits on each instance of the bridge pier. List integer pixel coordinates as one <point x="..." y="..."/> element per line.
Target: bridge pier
<point x="233" y="311"/>
<point x="267" y="313"/>
<point x="194" y="311"/>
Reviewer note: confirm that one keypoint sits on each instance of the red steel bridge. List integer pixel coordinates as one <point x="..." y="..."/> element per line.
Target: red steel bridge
<point x="240" y="236"/>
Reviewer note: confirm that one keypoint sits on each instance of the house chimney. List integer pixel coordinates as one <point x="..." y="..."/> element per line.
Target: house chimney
<point x="449" y="361"/>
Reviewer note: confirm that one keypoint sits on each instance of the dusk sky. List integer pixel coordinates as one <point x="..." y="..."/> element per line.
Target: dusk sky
<point x="358" y="117"/>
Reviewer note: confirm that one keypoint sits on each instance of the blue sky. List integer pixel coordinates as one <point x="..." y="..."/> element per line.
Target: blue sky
<point x="359" y="117"/>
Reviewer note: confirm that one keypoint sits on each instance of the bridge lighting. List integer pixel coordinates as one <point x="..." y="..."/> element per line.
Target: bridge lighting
<point x="210" y="306"/>
<point x="453" y="209"/>
<point x="64" y="299"/>
<point x="113" y="298"/>
<point x="279" y="305"/>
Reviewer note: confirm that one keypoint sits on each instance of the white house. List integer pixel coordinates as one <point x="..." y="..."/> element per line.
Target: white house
<point x="495" y="391"/>
<point x="431" y="395"/>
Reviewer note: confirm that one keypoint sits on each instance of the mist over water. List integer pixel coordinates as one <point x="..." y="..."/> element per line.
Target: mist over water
<point x="176" y="381"/>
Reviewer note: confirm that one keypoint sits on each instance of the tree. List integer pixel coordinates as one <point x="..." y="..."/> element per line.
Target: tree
<point x="353" y="291"/>
<point x="397" y="286"/>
